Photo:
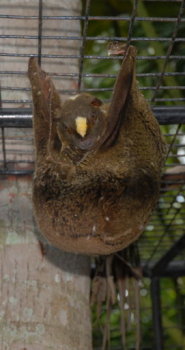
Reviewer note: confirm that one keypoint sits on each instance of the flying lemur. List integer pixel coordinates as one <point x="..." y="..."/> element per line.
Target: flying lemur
<point x="98" y="166"/>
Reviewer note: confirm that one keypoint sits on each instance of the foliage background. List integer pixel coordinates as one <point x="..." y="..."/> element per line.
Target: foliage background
<point x="171" y="206"/>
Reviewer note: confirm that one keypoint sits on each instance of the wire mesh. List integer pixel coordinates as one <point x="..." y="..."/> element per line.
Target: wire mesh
<point x="160" y="71"/>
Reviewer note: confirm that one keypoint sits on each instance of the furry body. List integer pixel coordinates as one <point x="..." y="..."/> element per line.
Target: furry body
<point x="94" y="194"/>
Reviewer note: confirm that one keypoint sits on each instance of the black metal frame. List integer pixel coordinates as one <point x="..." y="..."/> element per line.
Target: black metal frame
<point x="22" y="118"/>
<point x="156" y="313"/>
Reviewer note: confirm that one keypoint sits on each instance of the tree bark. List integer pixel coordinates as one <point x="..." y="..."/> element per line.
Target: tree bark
<point x="16" y="50"/>
<point x="44" y="292"/>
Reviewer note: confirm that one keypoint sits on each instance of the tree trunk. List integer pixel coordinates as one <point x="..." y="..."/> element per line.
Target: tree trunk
<point x="44" y="293"/>
<point x="16" y="50"/>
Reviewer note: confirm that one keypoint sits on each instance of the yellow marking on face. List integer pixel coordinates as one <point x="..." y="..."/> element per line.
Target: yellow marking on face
<point x="81" y="125"/>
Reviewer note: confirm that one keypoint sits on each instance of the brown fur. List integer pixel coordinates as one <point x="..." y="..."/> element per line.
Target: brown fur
<point x="94" y="196"/>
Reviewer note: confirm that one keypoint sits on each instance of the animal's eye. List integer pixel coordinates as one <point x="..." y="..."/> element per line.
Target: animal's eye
<point x="93" y="115"/>
<point x="70" y="130"/>
<point x="64" y="127"/>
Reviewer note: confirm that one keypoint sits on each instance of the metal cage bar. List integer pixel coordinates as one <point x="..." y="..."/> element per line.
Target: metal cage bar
<point x="156" y="313"/>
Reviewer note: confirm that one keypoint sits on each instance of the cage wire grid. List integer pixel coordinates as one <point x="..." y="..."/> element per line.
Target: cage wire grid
<point x="162" y="246"/>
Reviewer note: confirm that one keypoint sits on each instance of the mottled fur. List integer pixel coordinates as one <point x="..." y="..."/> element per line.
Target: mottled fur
<point x="95" y="195"/>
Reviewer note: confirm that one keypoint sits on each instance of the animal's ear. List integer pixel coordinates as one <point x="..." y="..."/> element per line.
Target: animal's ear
<point x="46" y="99"/>
<point x="120" y="95"/>
<point x="96" y="102"/>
